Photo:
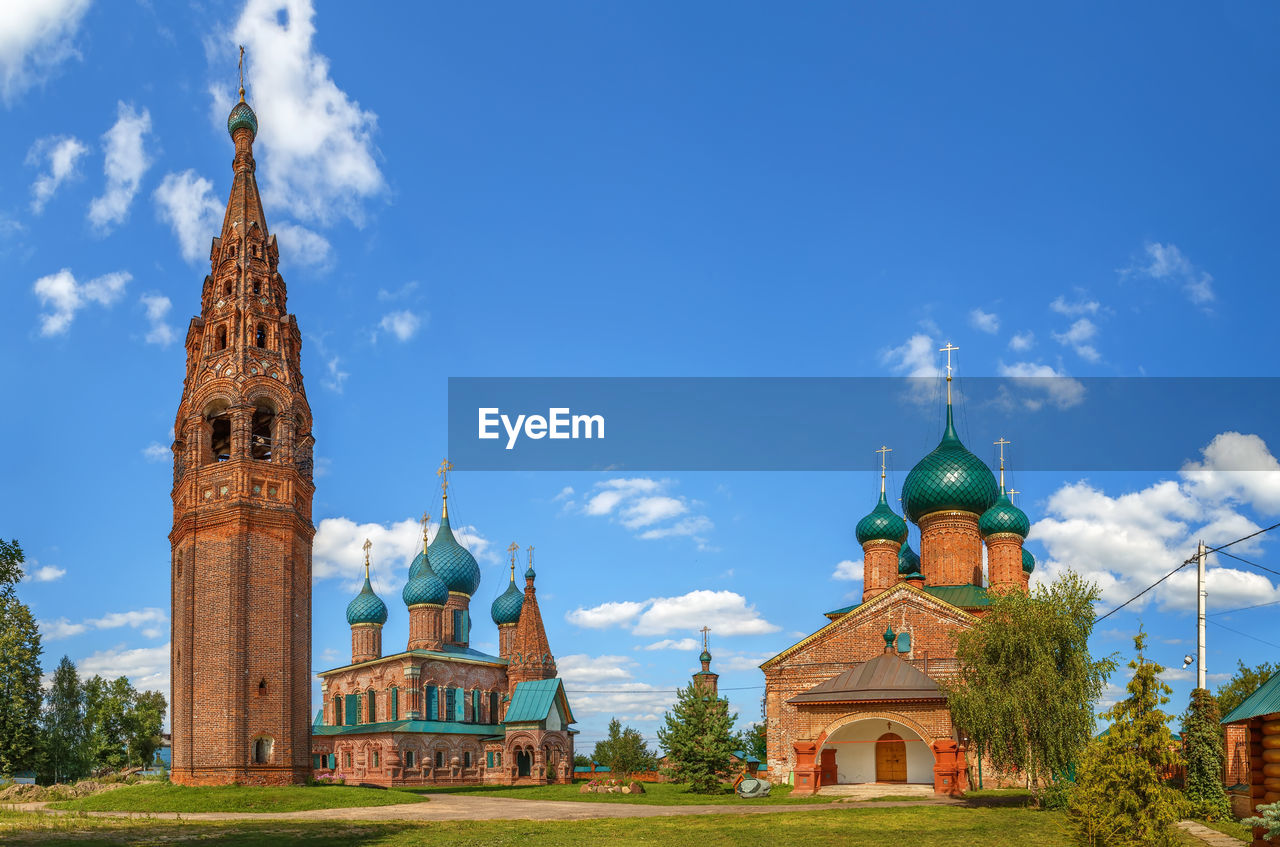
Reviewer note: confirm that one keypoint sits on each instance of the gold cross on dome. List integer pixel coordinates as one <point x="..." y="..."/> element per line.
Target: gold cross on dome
<point x="368" y="545"/>
<point x="949" y="349"/>
<point x="884" y="452"/>
<point x="704" y="631"/>
<point x="1001" y="443"/>
<point x="443" y="473"/>
<point x="1011" y="492"/>
<point x="426" y="524"/>
<point x="241" y="69"/>
<point x="512" y="550"/>
<point x="529" y="553"/>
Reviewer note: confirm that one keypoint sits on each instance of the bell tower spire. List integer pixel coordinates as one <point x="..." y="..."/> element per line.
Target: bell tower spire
<point x="242" y="494"/>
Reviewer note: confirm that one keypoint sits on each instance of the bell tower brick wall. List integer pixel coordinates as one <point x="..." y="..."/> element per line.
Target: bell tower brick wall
<point x="950" y="549"/>
<point x="242" y="530"/>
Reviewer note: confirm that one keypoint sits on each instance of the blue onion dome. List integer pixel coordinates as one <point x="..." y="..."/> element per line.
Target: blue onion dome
<point x="1004" y="517"/>
<point x="1028" y="561"/>
<point x="705" y="656"/>
<point x="242" y="116"/>
<point x="908" y="562"/>
<point x="452" y="562"/>
<point x="506" y="608"/>
<point x="529" y="573"/>
<point x="949" y="478"/>
<point x="881" y="525"/>
<point x="367" y="607"/>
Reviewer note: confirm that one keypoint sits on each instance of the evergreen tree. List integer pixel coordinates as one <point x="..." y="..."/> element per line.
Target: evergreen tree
<point x="107" y="707"/>
<point x="698" y="738"/>
<point x="20" y="696"/>
<point x="752" y="741"/>
<point x="1246" y="681"/>
<point x="1121" y="798"/>
<point x="623" y="751"/>
<point x="143" y="722"/>
<point x="64" y="732"/>
<point x="1202" y="746"/>
<point x="1028" y="684"/>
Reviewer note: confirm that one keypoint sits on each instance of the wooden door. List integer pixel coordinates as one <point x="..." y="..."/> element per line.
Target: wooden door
<point x="891" y="758"/>
<point x="827" y="773"/>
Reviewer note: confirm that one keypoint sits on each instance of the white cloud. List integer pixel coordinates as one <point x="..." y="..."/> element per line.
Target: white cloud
<point x="400" y="293"/>
<point x="156" y="452"/>
<point x="402" y="324"/>
<point x="916" y="357"/>
<point x="1078" y="338"/>
<point x="301" y="247"/>
<point x="848" y="570"/>
<point x="316" y="142"/>
<point x="674" y="644"/>
<point x="581" y="669"/>
<point x="158" y="331"/>
<point x="1037" y="384"/>
<point x="44" y="573"/>
<point x="644" y="505"/>
<point x="605" y="615"/>
<point x="694" y="527"/>
<point x="1238" y="468"/>
<point x="126" y="162"/>
<point x="64" y="297"/>
<point x="186" y="202"/>
<point x="146" y="667"/>
<point x="1167" y="264"/>
<point x="335" y="377"/>
<point x="726" y="612"/>
<point x="987" y="322"/>
<point x="337" y="550"/>
<point x="35" y="37"/>
<point x="1022" y="341"/>
<point x="1075" y="308"/>
<point x="63" y="628"/>
<point x="565" y="494"/>
<point x="60" y="628"/>
<point x="62" y="153"/>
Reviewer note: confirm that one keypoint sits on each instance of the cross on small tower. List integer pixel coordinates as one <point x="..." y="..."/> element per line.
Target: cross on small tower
<point x="1011" y="492"/>
<point x="949" y="349"/>
<point x="426" y="525"/>
<point x="512" y="550"/>
<point x="1001" y="443"/>
<point x="241" y="69"/>
<point x="883" y="451"/>
<point x="368" y="545"/>
<point x="704" y="631"/>
<point x="443" y="473"/>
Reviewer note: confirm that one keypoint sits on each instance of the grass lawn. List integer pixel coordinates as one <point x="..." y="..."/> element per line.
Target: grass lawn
<point x="1232" y="828"/>
<point x="656" y="794"/>
<point x="938" y="826"/>
<point x="165" y="797"/>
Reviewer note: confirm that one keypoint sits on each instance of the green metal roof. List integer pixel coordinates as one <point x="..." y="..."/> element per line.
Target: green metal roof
<point x="1264" y="701"/>
<point x="963" y="596"/>
<point x="1004" y="517"/>
<point x="881" y="525"/>
<point x="367" y="607"/>
<point x="532" y="700"/>
<point x="446" y="652"/>
<point x="446" y="727"/>
<point x="949" y="478"/>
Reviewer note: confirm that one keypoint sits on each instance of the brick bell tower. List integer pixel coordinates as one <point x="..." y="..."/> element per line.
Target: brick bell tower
<point x="242" y="531"/>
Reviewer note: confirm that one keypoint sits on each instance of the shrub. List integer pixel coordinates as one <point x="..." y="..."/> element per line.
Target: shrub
<point x="1270" y="820"/>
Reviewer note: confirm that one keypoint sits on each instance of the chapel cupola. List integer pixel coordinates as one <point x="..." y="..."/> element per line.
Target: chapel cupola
<point x="454" y="564"/>
<point x="426" y="595"/>
<point x="1003" y="528"/>
<point x="506" y="608"/>
<point x="706" y="680"/>
<point x="530" y="653"/>
<point x="366" y="614"/>
<point x="881" y="534"/>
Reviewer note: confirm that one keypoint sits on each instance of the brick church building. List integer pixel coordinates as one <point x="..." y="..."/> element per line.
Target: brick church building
<point x="858" y="700"/>
<point x="439" y="711"/>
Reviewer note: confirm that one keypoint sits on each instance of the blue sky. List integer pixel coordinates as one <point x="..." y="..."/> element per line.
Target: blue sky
<point x="634" y="189"/>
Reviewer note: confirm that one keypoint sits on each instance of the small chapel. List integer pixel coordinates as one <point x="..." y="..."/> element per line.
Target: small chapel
<point x="440" y="712"/>
<point x="858" y="701"/>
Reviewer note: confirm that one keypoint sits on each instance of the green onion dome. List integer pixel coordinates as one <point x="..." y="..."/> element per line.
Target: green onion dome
<point x="949" y="478"/>
<point x="452" y="562"/>
<point x="705" y="656"/>
<point x="881" y="525"/>
<point x="506" y="608"/>
<point x="367" y="607"/>
<point x="242" y="116"/>
<point x="1004" y="517"/>
<point x="1028" y="561"/>
<point x="424" y="586"/>
<point x="528" y="573"/>
<point x="908" y="562"/>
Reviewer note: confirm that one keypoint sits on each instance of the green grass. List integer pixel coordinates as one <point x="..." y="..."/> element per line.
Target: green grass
<point x="938" y="826"/>
<point x="656" y="794"/>
<point x="165" y="797"/>
<point x="1233" y="828"/>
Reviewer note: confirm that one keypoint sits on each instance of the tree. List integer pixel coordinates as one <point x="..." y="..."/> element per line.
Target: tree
<point x="1027" y="684"/>
<point x="581" y="761"/>
<point x="623" y="751"/>
<point x="143" y="723"/>
<point x="1121" y="797"/>
<point x="698" y="738"/>
<point x="107" y="721"/>
<point x="20" y="696"/>
<point x="752" y="741"/>
<point x="1202" y="746"/>
<point x="1246" y="681"/>
<point x="65" y="750"/>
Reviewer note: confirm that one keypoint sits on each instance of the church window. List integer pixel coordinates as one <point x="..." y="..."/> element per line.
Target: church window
<point x="264" y="418"/>
<point x="257" y="289"/>
<point x="493" y="707"/>
<point x="372" y="712"/>
<point x="475" y="706"/>
<point x="408" y="758"/>
<point x="262" y="748"/>
<point x="220" y="437"/>
<point x="376" y="759"/>
<point x="466" y="759"/>
<point x="439" y="759"/>
<point x="337" y="710"/>
<point x="433" y="703"/>
<point x="260" y="336"/>
<point x="226" y="289"/>
<point x="262" y="686"/>
<point x="395" y="703"/>
<point x="351" y="710"/>
<point x="346" y="760"/>
<point x="221" y="339"/>
<point x="450" y="704"/>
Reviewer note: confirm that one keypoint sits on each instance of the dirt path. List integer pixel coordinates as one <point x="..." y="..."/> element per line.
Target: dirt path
<point x="457" y="807"/>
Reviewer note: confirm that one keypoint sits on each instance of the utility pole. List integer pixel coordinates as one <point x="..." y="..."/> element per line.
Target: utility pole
<point x="1202" y="553"/>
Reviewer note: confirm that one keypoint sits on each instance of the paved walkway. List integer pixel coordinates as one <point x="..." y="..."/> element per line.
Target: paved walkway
<point x="872" y="790"/>
<point x="1209" y="836"/>
<point x="458" y="807"/>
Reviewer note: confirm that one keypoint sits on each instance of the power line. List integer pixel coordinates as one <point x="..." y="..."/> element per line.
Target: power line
<point x="1252" y="564"/>
<point x="1245" y="634"/>
<point x="1143" y="591"/>
<point x="1242" y="538"/>
<point x="1245" y="608"/>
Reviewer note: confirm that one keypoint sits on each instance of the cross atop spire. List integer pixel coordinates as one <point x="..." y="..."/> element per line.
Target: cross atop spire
<point x="512" y="550"/>
<point x="1011" y="492"/>
<point x="1001" y="443"/>
<point x="368" y="545"/>
<point x="705" y="630"/>
<point x="884" y="452"/>
<point x="949" y="349"/>
<point x="241" y="69"/>
<point x="443" y="473"/>
<point x="426" y="525"/>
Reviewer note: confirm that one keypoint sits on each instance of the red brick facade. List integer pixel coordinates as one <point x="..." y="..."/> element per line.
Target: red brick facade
<point x="241" y="537"/>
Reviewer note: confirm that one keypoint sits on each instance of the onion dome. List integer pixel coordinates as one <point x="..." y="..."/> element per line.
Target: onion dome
<point x="367" y="607"/>
<point x="506" y="608"/>
<point x="705" y="657"/>
<point x="1004" y="517"/>
<point x="424" y="587"/>
<point x="452" y="562"/>
<point x="949" y="478"/>
<point x="881" y="525"/>
<point x="1028" y="561"/>
<point x="888" y="636"/>
<point x="242" y="116"/>
<point x="529" y="574"/>
<point x="908" y="563"/>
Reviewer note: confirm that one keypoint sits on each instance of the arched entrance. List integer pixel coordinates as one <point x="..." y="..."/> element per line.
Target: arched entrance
<point x="876" y="750"/>
<point x="524" y="763"/>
